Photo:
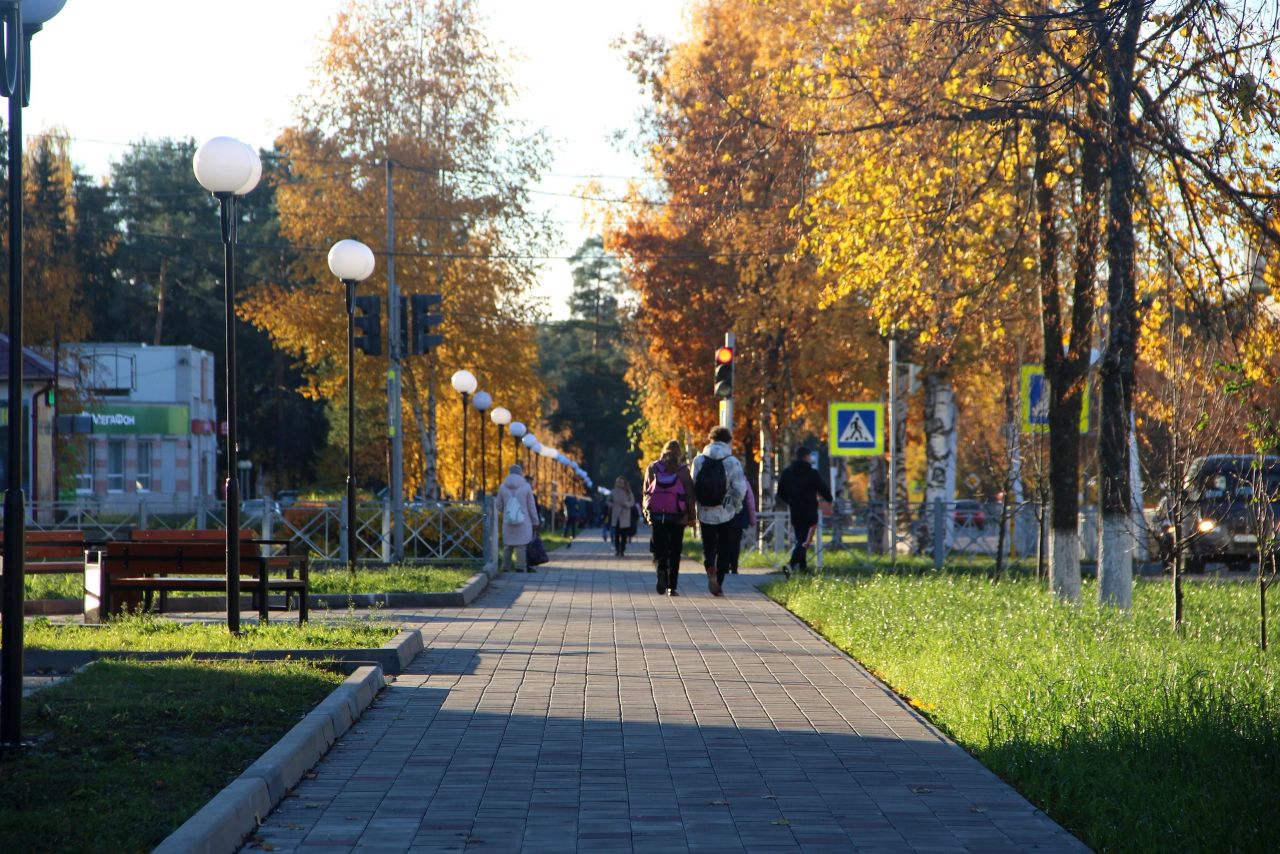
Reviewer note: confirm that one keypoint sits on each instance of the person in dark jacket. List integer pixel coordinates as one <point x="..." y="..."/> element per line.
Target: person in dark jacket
<point x="800" y="487"/>
<point x="570" y="519"/>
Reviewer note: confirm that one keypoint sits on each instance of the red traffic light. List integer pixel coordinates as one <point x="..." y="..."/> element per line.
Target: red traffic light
<point x="724" y="355"/>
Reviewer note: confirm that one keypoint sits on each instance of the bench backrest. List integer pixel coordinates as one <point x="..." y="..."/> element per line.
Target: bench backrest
<point x="214" y="535"/>
<point x="175" y="557"/>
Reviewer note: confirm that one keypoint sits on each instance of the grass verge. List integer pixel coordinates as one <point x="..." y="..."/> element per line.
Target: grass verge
<point x="127" y="751"/>
<point x="68" y="585"/>
<point x="1132" y="736"/>
<point x="146" y="632"/>
<point x="552" y="541"/>
<point x="397" y="578"/>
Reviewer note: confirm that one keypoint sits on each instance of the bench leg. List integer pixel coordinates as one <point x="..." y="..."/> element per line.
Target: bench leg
<point x="302" y="607"/>
<point x="263" y="602"/>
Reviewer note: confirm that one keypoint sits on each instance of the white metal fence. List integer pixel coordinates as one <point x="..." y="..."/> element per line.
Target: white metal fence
<point x="936" y="530"/>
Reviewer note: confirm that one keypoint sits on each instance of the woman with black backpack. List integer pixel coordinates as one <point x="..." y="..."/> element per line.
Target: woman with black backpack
<point x="669" y="507"/>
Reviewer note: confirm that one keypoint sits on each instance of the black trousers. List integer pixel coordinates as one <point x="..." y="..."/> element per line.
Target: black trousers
<point x="620" y="540"/>
<point x="668" y="540"/>
<point x="799" y="553"/>
<point x="720" y="545"/>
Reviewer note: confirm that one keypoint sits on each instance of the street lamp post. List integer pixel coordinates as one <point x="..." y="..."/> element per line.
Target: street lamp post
<point x="228" y="169"/>
<point x="464" y="383"/>
<point x="482" y="400"/>
<point x="531" y="444"/>
<point x="517" y="431"/>
<point x="21" y="22"/>
<point x="352" y="262"/>
<point x="501" y="417"/>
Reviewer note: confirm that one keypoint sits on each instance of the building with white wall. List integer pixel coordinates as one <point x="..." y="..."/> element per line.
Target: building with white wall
<point x="155" y="427"/>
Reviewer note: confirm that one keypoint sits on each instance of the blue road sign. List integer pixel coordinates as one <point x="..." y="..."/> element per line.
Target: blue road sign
<point x="1035" y="402"/>
<point x="855" y="429"/>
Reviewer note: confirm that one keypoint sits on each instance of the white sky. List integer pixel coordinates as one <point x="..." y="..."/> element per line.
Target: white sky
<point x="114" y="71"/>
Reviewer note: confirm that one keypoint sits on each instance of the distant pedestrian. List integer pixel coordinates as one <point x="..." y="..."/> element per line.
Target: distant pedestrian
<point x="720" y="486"/>
<point x="744" y="521"/>
<point x="800" y="487"/>
<point x="669" y="507"/>
<point x="601" y="507"/>
<point x="570" y="519"/>
<point x="620" y="503"/>
<point x="519" y="514"/>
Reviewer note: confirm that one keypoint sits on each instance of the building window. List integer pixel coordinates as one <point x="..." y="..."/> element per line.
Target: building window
<point x="142" y="483"/>
<point x="115" y="465"/>
<point x="84" y="477"/>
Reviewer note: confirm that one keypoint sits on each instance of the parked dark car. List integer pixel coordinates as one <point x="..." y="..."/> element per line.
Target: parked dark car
<point x="969" y="514"/>
<point x="1233" y="499"/>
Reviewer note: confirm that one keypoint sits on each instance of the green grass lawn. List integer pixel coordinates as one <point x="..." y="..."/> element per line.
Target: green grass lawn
<point x="155" y="633"/>
<point x="552" y="541"/>
<point x="861" y="562"/>
<point x="54" y="586"/>
<point x="397" y="578"/>
<point x="127" y="751"/>
<point x="1133" y="737"/>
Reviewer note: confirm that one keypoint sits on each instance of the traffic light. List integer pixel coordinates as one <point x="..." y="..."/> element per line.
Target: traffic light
<point x="424" y="321"/>
<point x="724" y="372"/>
<point x="368" y="323"/>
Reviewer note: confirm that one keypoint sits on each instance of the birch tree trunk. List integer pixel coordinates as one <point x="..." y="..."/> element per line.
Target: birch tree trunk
<point x="940" y="459"/>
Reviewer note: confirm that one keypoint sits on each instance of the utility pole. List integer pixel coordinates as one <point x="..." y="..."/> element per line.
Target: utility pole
<point x="394" y="324"/>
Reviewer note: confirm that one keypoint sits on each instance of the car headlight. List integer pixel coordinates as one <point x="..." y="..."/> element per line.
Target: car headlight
<point x="1204" y="526"/>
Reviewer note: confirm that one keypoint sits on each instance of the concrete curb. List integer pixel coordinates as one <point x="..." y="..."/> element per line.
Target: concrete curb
<point x="393" y="657"/>
<point x="221" y="825"/>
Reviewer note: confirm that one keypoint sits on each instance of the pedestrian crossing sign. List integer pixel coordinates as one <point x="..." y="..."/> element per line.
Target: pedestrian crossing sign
<point x="855" y="429"/>
<point x="1035" y="402"/>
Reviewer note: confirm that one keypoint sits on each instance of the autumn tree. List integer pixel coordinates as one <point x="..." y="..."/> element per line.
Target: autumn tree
<point x="714" y="249"/>
<point x="55" y="244"/>
<point x="433" y="100"/>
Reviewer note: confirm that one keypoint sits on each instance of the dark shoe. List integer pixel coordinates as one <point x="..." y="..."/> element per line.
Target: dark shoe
<point x="713" y="584"/>
<point x="734" y="571"/>
<point x="671" y="591"/>
<point x="531" y="569"/>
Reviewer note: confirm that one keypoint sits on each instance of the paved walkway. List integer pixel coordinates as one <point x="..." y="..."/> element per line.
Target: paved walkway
<point x="574" y="709"/>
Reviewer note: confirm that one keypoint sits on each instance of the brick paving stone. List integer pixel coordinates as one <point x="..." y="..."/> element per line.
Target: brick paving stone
<point x="575" y="710"/>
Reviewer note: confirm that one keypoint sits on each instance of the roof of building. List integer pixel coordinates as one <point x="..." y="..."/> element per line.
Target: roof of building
<point x="34" y="366"/>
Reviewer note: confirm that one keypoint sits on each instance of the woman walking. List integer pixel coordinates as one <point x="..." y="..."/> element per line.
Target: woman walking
<point x="519" y="514"/>
<point x="620" y="503"/>
<point x="669" y="507"/>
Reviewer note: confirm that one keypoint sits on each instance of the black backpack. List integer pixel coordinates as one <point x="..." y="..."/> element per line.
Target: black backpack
<point x="712" y="484"/>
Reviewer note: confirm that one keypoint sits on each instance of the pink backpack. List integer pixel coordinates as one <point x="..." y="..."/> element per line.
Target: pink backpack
<point x="666" y="492"/>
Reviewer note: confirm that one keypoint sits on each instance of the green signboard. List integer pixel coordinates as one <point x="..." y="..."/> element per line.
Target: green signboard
<point x="132" y="419"/>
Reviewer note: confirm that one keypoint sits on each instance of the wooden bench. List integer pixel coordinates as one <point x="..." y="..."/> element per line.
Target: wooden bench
<point x="52" y="552"/>
<point x="117" y="575"/>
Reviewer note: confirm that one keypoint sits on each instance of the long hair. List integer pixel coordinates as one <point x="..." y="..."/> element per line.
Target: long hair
<point x="621" y="483"/>
<point x="672" y="453"/>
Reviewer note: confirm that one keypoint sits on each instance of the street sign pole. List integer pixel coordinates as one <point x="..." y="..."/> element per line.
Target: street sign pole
<point x="893" y="451"/>
<point x="394" y="409"/>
